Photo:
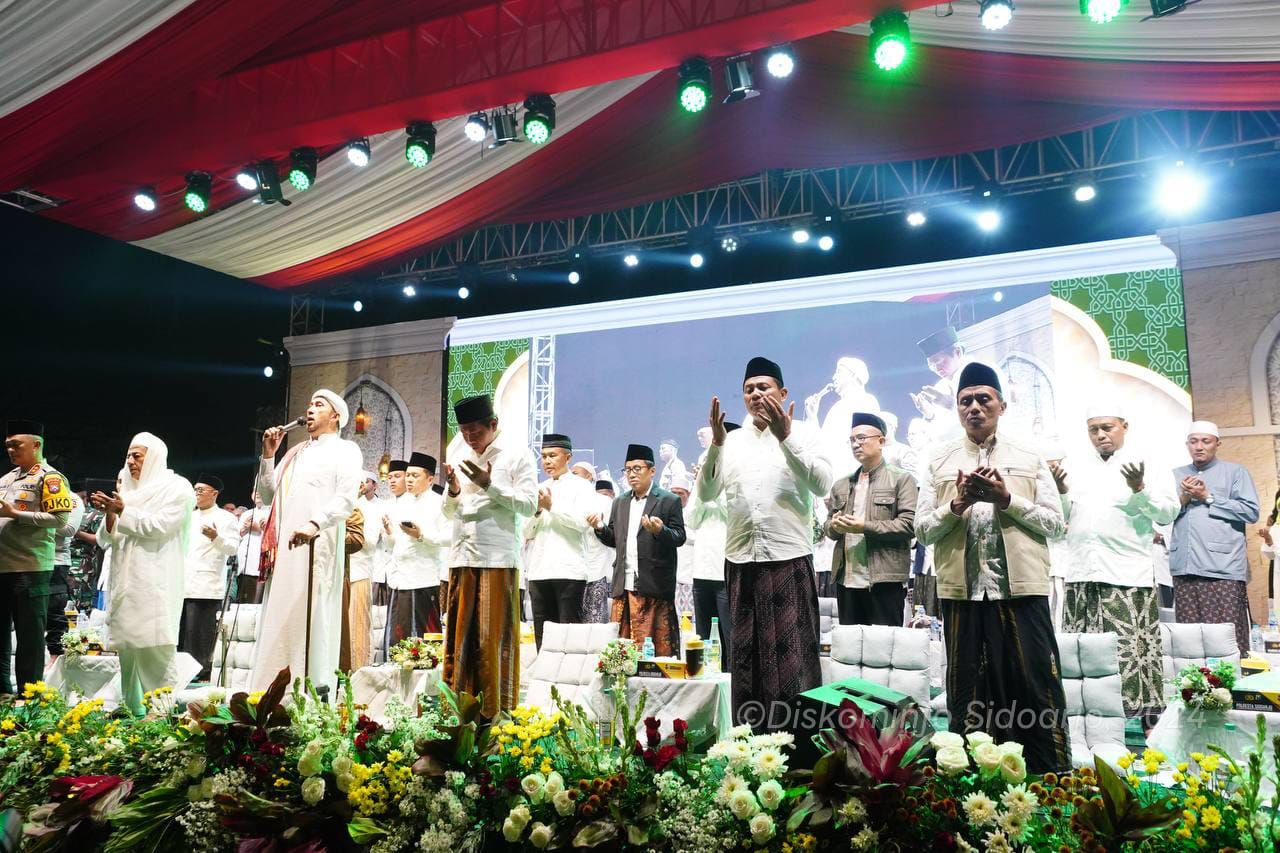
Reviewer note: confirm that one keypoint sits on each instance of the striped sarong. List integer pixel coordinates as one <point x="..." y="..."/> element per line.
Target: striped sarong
<point x="482" y="637"/>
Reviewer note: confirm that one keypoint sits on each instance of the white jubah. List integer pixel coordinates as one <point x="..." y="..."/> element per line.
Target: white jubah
<point x="148" y="551"/>
<point x="316" y="482"/>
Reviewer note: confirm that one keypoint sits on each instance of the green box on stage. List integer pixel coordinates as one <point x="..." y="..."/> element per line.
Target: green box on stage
<point x="816" y="710"/>
<point x="1259" y="692"/>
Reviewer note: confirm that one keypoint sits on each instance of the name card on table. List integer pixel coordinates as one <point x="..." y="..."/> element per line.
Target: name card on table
<point x="1259" y="692"/>
<point x="661" y="668"/>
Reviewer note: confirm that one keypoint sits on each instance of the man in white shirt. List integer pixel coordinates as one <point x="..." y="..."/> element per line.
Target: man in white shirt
<point x="381" y="591"/>
<point x="420" y="536"/>
<point x="673" y="467"/>
<point x="770" y="472"/>
<point x="249" y="552"/>
<point x="497" y="490"/>
<point x="1110" y="587"/>
<point x="557" y="565"/>
<point x="705" y="523"/>
<point x="595" y="596"/>
<point x="212" y="538"/>
<point x="356" y="611"/>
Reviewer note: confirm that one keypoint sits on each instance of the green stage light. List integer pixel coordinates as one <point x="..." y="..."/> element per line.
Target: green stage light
<point x="539" y="118"/>
<point x="890" y="41"/>
<point x="199" y="186"/>
<point x="695" y="84"/>
<point x="420" y="146"/>
<point x="1102" y="11"/>
<point x="302" y="168"/>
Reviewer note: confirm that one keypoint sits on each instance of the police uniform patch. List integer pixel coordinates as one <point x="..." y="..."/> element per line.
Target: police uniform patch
<point x="55" y="497"/>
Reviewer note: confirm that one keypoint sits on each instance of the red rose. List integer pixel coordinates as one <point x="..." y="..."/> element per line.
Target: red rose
<point x="1215" y="681"/>
<point x="681" y="743"/>
<point x="362" y="741"/>
<point x="512" y="785"/>
<point x="1204" y="670"/>
<point x="1187" y="693"/>
<point x="679" y="726"/>
<point x="665" y="756"/>
<point x="654" y="737"/>
<point x="944" y="842"/>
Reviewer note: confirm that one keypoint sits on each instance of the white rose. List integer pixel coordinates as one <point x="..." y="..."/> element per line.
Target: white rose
<point x="194" y="793"/>
<point x="564" y="804"/>
<point x="520" y="816"/>
<point x="511" y="830"/>
<point x="987" y="757"/>
<point x="540" y="835"/>
<point x="1013" y="768"/>
<point x="943" y="740"/>
<point x="761" y="828"/>
<point x="216" y="697"/>
<point x="206" y="788"/>
<point x="743" y="804"/>
<point x="554" y="785"/>
<point x="313" y="790"/>
<point x="343" y="781"/>
<point x="976" y="738"/>
<point x="314" y="748"/>
<point x="342" y="764"/>
<point x="952" y="760"/>
<point x="771" y="794"/>
<point x="309" y="765"/>
<point x="533" y="786"/>
<point x="1222" y="695"/>
<point x="195" y="767"/>
<point x="1010" y="747"/>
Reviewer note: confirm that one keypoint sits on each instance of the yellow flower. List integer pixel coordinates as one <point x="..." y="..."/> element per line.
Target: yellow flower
<point x="1133" y="780"/>
<point x="546" y="767"/>
<point x="515" y="750"/>
<point x="526" y="762"/>
<point x="1210" y="763"/>
<point x="8" y="724"/>
<point x="1197" y="757"/>
<point x="1182" y="766"/>
<point x="255" y="698"/>
<point x="281" y="782"/>
<point x="395" y="756"/>
<point x="1241" y="824"/>
<point x="1183" y="832"/>
<point x="1189" y="816"/>
<point x="1151" y="768"/>
<point x="1211" y="818"/>
<point x="1125" y="760"/>
<point x="1178" y="777"/>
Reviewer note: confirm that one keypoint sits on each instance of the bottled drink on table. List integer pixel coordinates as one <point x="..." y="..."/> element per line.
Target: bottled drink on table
<point x="1255" y="638"/>
<point x="935" y="629"/>
<point x="713" y="646"/>
<point x="918" y="618"/>
<point x="647" y="651"/>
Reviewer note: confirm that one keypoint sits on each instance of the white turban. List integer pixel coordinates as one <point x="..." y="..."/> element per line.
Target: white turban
<point x="339" y="404"/>
<point x="682" y="481"/>
<point x="1203" y="428"/>
<point x="591" y="469"/>
<point x="368" y="475"/>
<point x="1107" y="409"/>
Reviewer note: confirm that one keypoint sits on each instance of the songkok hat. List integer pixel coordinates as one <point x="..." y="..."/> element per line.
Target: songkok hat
<point x="472" y="409"/>
<point x="213" y="481"/>
<point x="339" y="405"/>
<point x="975" y="373"/>
<point x="682" y="481"/>
<point x="24" y="428"/>
<point x="1105" y="409"/>
<point x="1203" y="428"/>
<point x="641" y="451"/>
<point x="940" y="341"/>
<point x="424" y="461"/>
<point x="603" y="484"/>
<point x="368" y="475"/>
<point x="398" y="465"/>
<point x="670" y="441"/>
<point x="555" y="439"/>
<point x="586" y="466"/>
<point x="730" y="426"/>
<point x="761" y="366"/>
<point x="869" y="419"/>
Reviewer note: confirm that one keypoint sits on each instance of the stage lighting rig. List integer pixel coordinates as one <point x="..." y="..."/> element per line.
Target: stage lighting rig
<point x="1102" y="11"/>
<point x="737" y="76"/>
<point x="781" y="61"/>
<point x="145" y="199"/>
<point x="199" y="188"/>
<point x="358" y="153"/>
<point x="890" y="40"/>
<point x="539" y="118"/>
<point x="995" y="14"/>
<point x="302" y="171"/>
<point x="695" y="84"/>
<point x="477" y="127"/>
<point x="504" y="127"/>
<point x="420" y="143"/>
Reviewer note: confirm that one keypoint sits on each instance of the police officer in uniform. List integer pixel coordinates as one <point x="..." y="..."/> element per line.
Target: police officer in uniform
<point x="35" y="500"/>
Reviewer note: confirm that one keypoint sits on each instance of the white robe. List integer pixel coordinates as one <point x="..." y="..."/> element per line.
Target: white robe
<point x="319" y="484"/>
<point x="148" y="552"/>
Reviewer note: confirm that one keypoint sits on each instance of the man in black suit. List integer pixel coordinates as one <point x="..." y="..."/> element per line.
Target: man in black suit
<point x="646" y="526"/>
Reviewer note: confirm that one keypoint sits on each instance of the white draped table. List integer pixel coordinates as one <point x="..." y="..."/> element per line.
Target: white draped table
<point x="373" y="686"/>
<point x="703" y="702"/>
<point x="1181" y="732"/>
<point x="98" y="676"/>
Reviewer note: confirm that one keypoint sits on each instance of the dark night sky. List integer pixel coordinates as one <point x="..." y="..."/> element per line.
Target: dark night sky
<point x="117" y="339"/>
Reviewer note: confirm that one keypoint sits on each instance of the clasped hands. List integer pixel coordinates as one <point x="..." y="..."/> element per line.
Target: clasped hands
<point x="843" y="522"/>
<point x="482" y="477"/>
<point x="982" y="485"/>
<point x="651" y="523"/>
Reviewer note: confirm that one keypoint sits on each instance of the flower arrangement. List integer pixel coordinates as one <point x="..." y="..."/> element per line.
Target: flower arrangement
<point x="1206" y="689"/>
<point x="79" y="641"/>
<point x="257" y="772"/>
<point x="416" y="653"/>
<point x="619" y="660"/>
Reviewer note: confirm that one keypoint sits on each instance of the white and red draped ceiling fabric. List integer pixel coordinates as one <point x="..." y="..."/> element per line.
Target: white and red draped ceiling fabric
<point x="98" y="97"/>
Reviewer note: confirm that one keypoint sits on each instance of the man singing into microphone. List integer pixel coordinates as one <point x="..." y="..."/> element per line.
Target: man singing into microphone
<point x="311" y="493"/>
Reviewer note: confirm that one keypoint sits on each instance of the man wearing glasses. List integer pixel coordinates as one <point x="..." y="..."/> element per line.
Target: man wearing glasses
<point x="871" y="518"/>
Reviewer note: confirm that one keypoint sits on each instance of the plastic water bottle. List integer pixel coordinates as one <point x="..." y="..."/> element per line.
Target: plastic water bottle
<point x="935" y="629"/>
<point x="713" y="646"/>
<point x="918" y="618"/>
<point x="647" y="652"/>
<point x="1255" y="638"/>
<point x="1271" y="639"/>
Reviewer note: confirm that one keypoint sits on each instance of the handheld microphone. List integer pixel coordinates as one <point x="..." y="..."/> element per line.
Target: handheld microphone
<point x="301" y="421"/>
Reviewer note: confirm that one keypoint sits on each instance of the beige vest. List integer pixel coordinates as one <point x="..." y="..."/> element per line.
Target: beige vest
<point x="1026" y="553"/>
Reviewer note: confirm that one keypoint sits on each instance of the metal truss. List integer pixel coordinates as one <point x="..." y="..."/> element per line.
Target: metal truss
<point x="542" y="387"/>
<point x="1121" y="149"/>
<point x="306" y="315"/>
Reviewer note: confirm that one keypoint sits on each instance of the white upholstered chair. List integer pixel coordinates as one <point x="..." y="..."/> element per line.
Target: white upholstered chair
<point x="567" y="661"/>
<point x="1195" y="643"/>
<point x="1095" y="709"/>
<point x="377" y="633"/>
<point x="828" y="618"/>
<point x="897" y="658"/>
<point x="241" y="623"/>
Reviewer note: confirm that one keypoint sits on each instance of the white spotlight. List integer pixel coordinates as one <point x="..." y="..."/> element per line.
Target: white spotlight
<point x="729" y="244"/>
<point x="696" y="260"/>
<point x="1180" y="190"/>
<point x="268" y="371"/>
<point x="916" y="217"/>
<point x="409" y="290"/>
<point x="358" y="153"/>
<point x="826" y="242"/>
<point x="781" y="61"/>
<point x="996" y="14"/>
<point x="800" y="236"/>
<point x="145" y="199"/>
<point x="998" y="296"/>
<point x="631" y="260"/>
<point x="357" y="306"/>
<point x="477" y="127"/>
<point x="574" y="276"/>
<point x="1085" y="191"/>
<point x="463" y="292"/>
<point x="989" y="220"/>
<point x="247" y="178"/>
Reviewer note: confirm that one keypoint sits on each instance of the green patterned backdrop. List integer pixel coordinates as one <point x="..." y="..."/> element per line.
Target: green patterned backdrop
<point x="1141" y="314"/>
<point x="476" y="369"/>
